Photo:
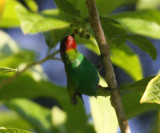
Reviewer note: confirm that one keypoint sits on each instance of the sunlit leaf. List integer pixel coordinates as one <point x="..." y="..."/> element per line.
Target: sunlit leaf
<point x="34" y="23"/>
<point x="32" y="5"/>
<point x="2" y="5"/>
<point x="103" y="114"/>
<point x="125" y="58"/>
<point x="152" y="92"/>
<point x="147" y="4"/>
<point x="144" y="22"/>
<point x="14" y="130"/>
<point x="7" y="70"/>
<point x="12" y="119"/>
<point x="9" y="17"/>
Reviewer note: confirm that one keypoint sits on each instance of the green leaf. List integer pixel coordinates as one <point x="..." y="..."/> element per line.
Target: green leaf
<point x="143" y="43"/>
<point x="103" y="114"/>
<point x="10" y="53"/>
<point x="107" y="6"/>
<point x="132" y="106"/>
<point x="7" y="70"/>
<point x="155" y="126"/>
<point x="91" y="43"/>
<point x="67" y="7"/>
<point x="14" y="130"/>
<point x="39" y="117"/>
<point x="28" y="86"/>
<point x="147" y="4"/>
<point x="8" y="19"/>
<point x="2" y="5"/>
<point x="144" y="22"/>
<point x="12" y="119"/>
<point x="35" y="23"/>
<point x="7" y="44"/>
<point x="125" y="58"/>
<point x="32" y="5"/>
<point x="54" y="36"/>
<point x="59" y="118"/>
<point x="112" y="29"/>
<point x="131" y="95"/>
<point x="138" y="86"/>
<point x="151" y="94"/>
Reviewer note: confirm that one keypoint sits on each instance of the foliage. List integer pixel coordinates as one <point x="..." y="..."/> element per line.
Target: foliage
<point x="55" y="24"/>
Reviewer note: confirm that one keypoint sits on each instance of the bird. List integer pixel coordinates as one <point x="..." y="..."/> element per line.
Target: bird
<point x="82" y="75"/>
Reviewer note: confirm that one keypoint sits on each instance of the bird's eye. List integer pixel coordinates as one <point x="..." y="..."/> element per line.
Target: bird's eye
<point x="71" y="39"/>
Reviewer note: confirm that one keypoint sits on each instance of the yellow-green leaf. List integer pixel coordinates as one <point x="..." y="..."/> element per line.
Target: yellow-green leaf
<point x="152" y="92"/>
<point x="35" y="23"/>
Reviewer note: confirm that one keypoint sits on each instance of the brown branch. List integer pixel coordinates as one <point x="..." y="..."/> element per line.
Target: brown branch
<point x="18" y="73"/>
<point x="107" y="64"/>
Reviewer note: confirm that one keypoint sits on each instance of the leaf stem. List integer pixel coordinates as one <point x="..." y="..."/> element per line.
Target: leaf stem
<point x="107" y="64"/>
<point x="18" y="73"/>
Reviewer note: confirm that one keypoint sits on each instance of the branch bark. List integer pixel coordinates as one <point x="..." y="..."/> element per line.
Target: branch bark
<point x="107" y="65"/>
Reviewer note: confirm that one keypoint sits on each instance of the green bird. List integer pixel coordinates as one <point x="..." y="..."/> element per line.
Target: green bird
<point x="82" y="75"/>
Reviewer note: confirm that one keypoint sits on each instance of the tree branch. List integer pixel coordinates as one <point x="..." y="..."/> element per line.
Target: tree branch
<point x="18" y="73"/>
<point x="107" y="64"/>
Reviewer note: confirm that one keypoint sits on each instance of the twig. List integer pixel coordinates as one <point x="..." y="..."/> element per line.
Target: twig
<point x="18" y="73"/>
<point x="107" y="64"/>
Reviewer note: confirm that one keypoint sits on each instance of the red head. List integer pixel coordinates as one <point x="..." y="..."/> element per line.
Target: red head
<point x="68" y="43"/>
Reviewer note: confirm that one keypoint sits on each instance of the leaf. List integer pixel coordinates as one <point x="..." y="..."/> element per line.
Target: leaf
<point x="152" y="92"/>
<point x="12" y="119"/>
<point x="132" y="106"/>
<point x="143" y="43"/>
<point x="32" y="112"/>
<point x="125" y="58"/>
<point x="2" y="5"/>
<point x="7" y="44"/>
<point x="91" y="44"/>
<point x="35" y="23"/>
<point x="14" y="130"/>
<point x="7" y="70"/>
<point x="144" y="22"/>
<point x="27" y="86"/>
<point x="138" y="86"/>
<point x="54" y="36"/>
<point x="10" y="53"/>
<point x="103" y="114"/>
<point x="155" y="125"/>
<point x="131" y="95"/>
<point x="105" y="7"/>
<point x="67" y="7"/>
<point x="32" y="5"/>
<point x="147" y="4"/>
<point x="8" y="19"/>
<point x="112" y="29"/>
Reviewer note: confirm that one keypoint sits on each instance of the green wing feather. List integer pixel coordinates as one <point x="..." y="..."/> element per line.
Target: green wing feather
<point x="82" y="76"/>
